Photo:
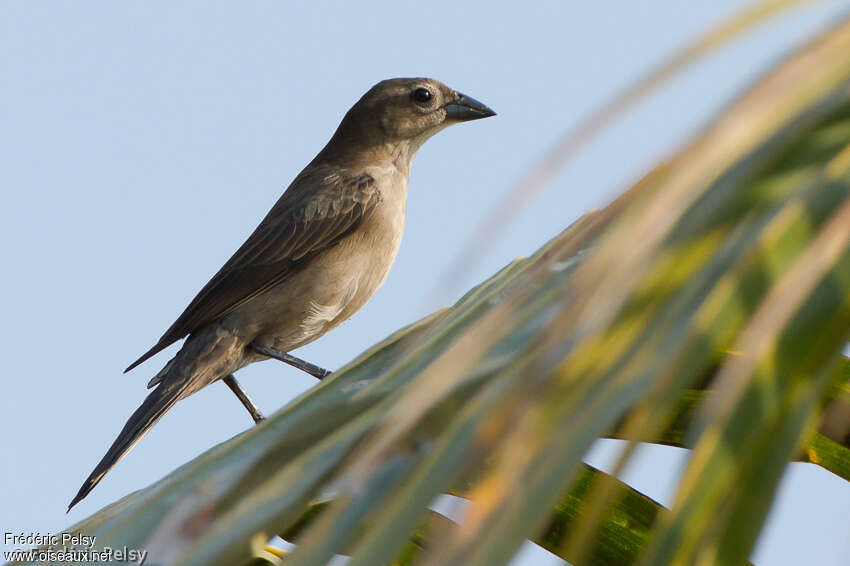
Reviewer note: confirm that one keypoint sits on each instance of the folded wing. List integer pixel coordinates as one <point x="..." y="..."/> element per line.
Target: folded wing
<point x="320" y="208"/>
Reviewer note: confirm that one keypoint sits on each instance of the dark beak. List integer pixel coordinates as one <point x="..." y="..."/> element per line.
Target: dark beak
<point x="467" y="108"/>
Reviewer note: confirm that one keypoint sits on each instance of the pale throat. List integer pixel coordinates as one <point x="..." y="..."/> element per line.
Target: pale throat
<point x="401" y="155"/>
<point x="402" y="152"/>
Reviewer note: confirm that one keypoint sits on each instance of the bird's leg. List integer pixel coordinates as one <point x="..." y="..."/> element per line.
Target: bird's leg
<point x="246" y="401"/>
<point x="312" y="369"/>
<point x="242" y="395"/>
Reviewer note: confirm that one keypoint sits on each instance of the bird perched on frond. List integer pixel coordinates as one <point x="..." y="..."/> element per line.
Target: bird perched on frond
<point x="314" y="260"/>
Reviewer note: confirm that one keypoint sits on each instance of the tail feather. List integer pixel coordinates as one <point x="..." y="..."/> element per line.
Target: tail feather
<point x="147" y="355"/>
<point x="152" y="409"/>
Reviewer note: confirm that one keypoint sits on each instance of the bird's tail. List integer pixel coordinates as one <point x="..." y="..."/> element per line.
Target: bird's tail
<point x="152" y="409"/>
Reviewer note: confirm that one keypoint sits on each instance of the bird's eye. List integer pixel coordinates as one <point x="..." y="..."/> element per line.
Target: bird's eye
<point x="421" y="95"/>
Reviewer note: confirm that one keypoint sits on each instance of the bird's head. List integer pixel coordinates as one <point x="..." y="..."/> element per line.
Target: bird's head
<point x="403" y="113"/>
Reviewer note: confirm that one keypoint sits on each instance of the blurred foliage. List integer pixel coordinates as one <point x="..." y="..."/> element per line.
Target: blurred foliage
<point x="707" y="307"/>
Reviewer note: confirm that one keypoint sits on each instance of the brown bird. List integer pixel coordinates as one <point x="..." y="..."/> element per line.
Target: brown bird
<point x="314" y="260"/>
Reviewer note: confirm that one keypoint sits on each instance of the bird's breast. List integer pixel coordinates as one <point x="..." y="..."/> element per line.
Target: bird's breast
<point x="339" y="281"/>
<point x="373" y="249"/>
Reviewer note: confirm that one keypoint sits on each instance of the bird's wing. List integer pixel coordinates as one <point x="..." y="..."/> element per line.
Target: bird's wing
<point x="318" y="210"/>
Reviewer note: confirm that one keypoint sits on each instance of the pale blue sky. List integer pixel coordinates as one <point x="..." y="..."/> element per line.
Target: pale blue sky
<point x="141" y="142"/>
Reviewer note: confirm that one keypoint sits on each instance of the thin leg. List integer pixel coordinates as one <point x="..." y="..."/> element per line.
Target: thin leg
<point x="246" y="401"/>
<point x="314" y="370"/>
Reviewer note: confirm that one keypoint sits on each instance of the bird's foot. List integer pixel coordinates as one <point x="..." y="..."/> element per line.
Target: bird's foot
<point x="312" y="369"/>
<point x="246" y="401"/>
